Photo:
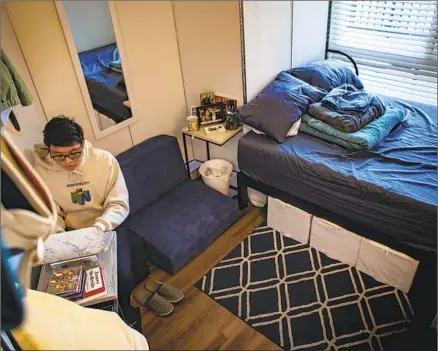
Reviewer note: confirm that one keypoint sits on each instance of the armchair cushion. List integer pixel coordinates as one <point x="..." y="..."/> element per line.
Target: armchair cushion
<point x="182" y="223"/>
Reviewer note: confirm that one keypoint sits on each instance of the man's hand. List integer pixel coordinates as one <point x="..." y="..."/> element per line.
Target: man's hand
<point x="59" y="229"/>
<point x="99" y="229"/>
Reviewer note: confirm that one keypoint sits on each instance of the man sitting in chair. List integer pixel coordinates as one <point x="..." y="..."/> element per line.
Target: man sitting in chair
<point x="87" y="183"/>
<point x="89" y="191"/>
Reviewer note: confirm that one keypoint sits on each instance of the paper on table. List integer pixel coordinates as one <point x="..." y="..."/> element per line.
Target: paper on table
<point x="74" y="244"/>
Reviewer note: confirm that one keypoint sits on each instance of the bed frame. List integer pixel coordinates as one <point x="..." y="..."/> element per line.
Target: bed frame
<point x="356" y="69"/>
<point x="244" y="181"/>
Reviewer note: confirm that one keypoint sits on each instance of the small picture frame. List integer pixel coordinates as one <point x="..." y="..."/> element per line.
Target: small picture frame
<point x="213" y="113"/>
<point x="193" y="110"/>
<point x="230" y="104"/>
<point x="207" y="98"/>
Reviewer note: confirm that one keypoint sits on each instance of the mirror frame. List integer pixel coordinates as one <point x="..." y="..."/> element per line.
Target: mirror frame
<point x="68" y="35"/>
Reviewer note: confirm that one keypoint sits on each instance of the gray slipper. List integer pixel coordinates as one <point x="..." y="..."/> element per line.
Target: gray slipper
<point x="169" y="292"/>
<point x="153" y="302"/>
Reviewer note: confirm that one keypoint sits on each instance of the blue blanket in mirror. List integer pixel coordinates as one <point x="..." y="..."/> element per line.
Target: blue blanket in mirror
<point x="105" y="86"/>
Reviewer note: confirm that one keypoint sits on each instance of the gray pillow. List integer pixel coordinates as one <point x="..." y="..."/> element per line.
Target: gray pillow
<point x="279" y="105"/>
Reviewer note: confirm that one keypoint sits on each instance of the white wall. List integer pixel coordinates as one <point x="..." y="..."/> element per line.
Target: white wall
<point x="208" y="35"/>
<point x="268" y="26"/>
<point x="91" y="24"/>
<point x="309" y="31"/>
<point x="31" y="118"/>
<point x="151" y="50"/>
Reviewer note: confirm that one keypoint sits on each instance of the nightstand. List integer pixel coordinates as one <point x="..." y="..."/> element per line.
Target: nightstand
<point x="218" y="139"/>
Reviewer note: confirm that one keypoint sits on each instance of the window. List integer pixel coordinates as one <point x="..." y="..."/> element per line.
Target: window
<point x="394" y="44"/>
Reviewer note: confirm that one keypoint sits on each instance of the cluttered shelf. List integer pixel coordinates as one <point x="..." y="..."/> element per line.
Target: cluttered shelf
<point x="80" y="279"/>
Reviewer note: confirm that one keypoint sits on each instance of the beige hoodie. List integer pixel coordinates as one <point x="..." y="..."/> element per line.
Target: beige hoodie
<point x="94" y="194"/>
<point x="54" y="323"/>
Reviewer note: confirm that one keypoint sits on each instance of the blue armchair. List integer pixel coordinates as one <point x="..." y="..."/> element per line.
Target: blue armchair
<point x="177" y="218"/>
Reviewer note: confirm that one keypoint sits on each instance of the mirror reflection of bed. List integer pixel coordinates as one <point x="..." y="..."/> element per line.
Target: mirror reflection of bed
<point x="93" y="33"/>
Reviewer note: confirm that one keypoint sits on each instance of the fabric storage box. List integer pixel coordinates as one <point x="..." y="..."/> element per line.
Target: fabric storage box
<point x="386" y="265"/>
<point x="289" y="220"/>
<point x="334" y="241"/>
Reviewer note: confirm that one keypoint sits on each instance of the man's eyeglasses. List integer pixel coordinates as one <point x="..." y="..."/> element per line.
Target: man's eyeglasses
<point x="73" y="156"/>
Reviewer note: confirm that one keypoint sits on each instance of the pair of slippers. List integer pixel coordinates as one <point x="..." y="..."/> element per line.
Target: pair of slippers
<point x="158" y="297"/>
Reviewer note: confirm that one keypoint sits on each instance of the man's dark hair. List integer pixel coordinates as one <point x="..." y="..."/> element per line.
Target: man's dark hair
<point x="62" y="131"/>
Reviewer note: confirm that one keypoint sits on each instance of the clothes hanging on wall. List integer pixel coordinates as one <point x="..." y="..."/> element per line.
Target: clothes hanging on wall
<point x="13" y="89"/>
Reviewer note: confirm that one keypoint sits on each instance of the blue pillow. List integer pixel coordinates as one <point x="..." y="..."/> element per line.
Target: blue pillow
<point x="279" y="105"/>
<point x="326" y="75"/>
<point x="313" y="93"/>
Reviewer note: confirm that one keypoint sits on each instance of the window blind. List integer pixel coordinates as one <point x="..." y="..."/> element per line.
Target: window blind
<point x="394" y="44"/>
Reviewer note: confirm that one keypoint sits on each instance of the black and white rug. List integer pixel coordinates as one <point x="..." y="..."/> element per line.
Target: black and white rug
<point x="301" y="299"/>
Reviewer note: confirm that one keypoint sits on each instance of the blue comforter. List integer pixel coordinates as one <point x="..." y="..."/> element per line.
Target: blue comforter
<point x="104" y="85"/>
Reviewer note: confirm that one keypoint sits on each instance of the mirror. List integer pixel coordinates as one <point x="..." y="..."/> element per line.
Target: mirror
<point x="97" y="54"/>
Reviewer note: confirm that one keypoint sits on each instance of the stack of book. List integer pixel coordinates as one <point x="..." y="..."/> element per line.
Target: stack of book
<point x="78" y="280"/>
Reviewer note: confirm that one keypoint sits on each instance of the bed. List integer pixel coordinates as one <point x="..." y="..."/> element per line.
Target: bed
<point x="387" y="194"/>
<point x="106" y="88"/>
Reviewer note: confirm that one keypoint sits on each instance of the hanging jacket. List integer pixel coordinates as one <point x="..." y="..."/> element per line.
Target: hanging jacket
<point x="13" y="89"/>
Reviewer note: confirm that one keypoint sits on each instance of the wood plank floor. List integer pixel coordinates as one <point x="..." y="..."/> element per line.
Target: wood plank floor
<point x="198" y="322"/>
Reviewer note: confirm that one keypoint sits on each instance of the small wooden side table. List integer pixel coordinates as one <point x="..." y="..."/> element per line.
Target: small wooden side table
<point x="218" y="139"/>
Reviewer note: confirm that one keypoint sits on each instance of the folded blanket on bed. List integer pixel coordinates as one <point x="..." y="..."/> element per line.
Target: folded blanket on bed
<point x="366" y="138"/>
<point x="348" y="99"/>
<point x="348" y="109"/>
<point x="345" y="122"/>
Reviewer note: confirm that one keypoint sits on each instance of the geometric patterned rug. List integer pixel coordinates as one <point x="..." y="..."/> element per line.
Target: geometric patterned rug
<point x="303" y="300"/>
